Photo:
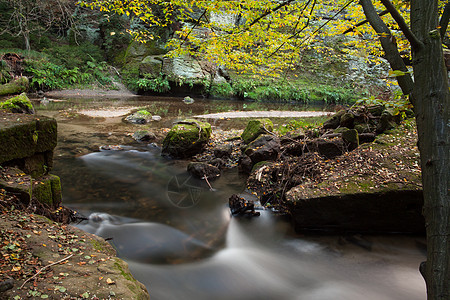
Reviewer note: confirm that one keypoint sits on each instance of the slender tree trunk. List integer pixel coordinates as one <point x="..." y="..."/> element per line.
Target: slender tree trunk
<point x="431" y="105"/>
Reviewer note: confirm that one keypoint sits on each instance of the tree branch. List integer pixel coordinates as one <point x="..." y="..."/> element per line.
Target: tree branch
<point x="415" y="43"/>
<point x="443" y="22"/>
<point x="389" y="46"/>
<point x="268" y="12"/>
<point x="363" y="22"/>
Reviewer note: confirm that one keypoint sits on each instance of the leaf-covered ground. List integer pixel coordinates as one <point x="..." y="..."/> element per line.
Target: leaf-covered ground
<point x="389" y="163"/>
<point x="41" y="259"/>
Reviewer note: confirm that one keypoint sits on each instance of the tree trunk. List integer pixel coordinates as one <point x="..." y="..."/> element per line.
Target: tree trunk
<point x="431" y="106"/>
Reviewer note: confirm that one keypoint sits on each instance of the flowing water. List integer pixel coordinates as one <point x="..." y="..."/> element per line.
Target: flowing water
<point x="180" y="241"/>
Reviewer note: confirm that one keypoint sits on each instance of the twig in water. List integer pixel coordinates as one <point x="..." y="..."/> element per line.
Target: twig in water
<point x="42" y="269"/>
<point x="206" y="179"/>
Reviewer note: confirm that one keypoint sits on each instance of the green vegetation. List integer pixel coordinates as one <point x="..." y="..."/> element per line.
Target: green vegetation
<point x="311" y="123"/>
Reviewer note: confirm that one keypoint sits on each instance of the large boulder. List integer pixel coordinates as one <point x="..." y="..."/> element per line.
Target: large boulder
<point x="255" y="128"/>
<point x="15" y="86"/>
<point x="264" y="148"/>
<point x="18" y="104"/>
<point x="24" y="136"/>
<point x="186" y="138"/>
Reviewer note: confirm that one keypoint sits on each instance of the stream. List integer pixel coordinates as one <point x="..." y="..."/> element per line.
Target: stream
<point x="179" y="239"/>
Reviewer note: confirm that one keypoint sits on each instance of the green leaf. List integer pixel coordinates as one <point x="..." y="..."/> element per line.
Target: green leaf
<point x="85" y="295"/>
<point x="62" y="289"/>
<point x="44" y="296"/>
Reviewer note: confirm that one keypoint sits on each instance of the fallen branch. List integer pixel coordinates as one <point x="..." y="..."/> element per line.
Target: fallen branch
<point x="42" y="269"/>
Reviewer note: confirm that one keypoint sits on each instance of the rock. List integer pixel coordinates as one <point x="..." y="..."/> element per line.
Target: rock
<point x="156" y="118"/>
<point x="386" y="122"/>
<point x="16" y="86"/>
<point x="376" y="110"/>
<point x="223" y="150"/>
<point x="364" y="128"/>
<point x="255" y="128"/>
<point x="188" y="100"/>
<point x="201" y="169"/>
<point x="340" y="130"/>
<point x="335" y="120"/>
<point x="186" y="138"/>
<point x="217" y="162"/>
<point x="22" y="136"/>
<point x="6" y="285"/>
<point x="245" y="164"/>
<point x="351" y="139"/>
<point x="327" y="148"/>
<point x="18" y="104"/>
<point x="144" y="136"/>
<point x="151" y="65"/>
<point x="240" y="206"/>
<point x="347" y="120"/>
<point x="366" y="138"/>
<point x="110" y="148"/>
<point x="265" y="147"/>
<point x="140" y="117"/>
<point x="296" y="148"/>
<point x="392" y="211"/>
<point x="46" y="189"/>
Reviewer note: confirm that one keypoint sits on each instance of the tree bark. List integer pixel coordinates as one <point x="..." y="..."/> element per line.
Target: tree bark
<point x="430" y="98"/>
<point x="431" y="107"/>
<point x="389" y="46"/>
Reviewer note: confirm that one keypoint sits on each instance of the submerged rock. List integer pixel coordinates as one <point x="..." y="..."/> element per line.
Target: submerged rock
<point x="140" y="117"/>
<point x="188" y="100"/>
<point x="144" y="136"/>
<point x="240" y="206"/>
<point x="201" y="170"/>
<point x="186" y="138"/>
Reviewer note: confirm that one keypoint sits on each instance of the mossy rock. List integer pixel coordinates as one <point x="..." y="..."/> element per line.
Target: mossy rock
<point x="347" y="120"/>
<point x="334" y="121"/>
<point x="186" y="138"/>
<point x="22" y="136"/>
<point x="16" y="86"/>
<point x="351" y="138"/>
<point x="18" y="104"/>
<point x="255" y="128"/>
<point x="47" y="190"/>
<point x="140" y="117"/>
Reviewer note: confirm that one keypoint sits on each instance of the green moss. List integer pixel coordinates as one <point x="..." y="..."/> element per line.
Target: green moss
<point x="143" y="112"/>
<point x="255" y="128"/>
<point x="124" y="274"/>
<point x="42" y="191"/>
<point x="187" y="138"/>
<point x="19" y="85"/>
<point x="17" y="103"/>
<point x="47" y="190"/>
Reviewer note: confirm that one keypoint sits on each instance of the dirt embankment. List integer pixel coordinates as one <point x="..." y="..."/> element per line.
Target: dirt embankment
<point x="43" y="259"/>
